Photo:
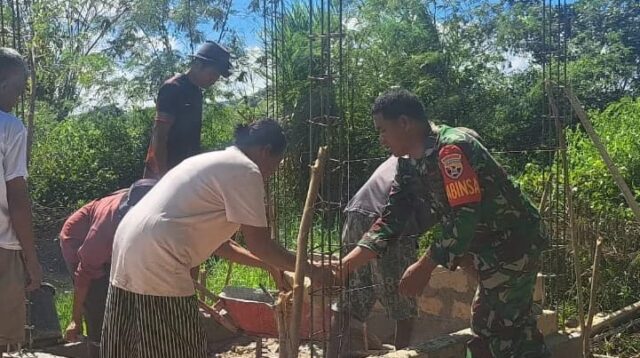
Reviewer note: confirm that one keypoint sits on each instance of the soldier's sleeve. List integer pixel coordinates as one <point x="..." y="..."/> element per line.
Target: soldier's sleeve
<point x="391" y="225"/>
<point x="464" y="195"/>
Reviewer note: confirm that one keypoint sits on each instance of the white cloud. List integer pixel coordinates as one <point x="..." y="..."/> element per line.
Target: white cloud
<point x="515" y="62"/>
<point x="254" y="81"/>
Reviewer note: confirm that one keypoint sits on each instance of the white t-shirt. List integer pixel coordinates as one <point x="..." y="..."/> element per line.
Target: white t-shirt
<point x="13" y="153"/>
<point x="197" y="206"/>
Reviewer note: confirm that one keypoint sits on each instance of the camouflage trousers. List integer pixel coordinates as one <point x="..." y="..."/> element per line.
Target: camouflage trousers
<point x="379" y="279"/>
<point x="502" y="313"/>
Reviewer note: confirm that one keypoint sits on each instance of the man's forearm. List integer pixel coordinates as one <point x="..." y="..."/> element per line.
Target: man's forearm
<point x="21" y="221"/>
<point x="427" y="262"/>
<point x="357" y="258"/>
<point x="79" y="297"/>
<point x="276" y="256"/>
<point x="157" y="156"/>
<point x="238" y="254"/>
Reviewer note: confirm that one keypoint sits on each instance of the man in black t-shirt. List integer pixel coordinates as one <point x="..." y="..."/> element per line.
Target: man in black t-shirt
<point x="178" y="122"/>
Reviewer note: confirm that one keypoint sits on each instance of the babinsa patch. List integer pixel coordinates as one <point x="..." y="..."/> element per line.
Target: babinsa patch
<point x="452" y="164"/>
<point x="460" y="180"/>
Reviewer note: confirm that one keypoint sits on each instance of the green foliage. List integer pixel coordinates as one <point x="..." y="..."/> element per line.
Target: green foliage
<point x="619" y="127"/>
<point x="87" y="156"/>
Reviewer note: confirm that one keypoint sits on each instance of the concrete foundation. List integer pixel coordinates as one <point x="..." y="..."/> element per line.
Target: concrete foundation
<point x="444" y="307"/>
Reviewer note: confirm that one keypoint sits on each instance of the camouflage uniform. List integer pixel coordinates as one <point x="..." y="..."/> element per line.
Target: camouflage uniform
<point x="379" y="279"/>
<point x="483" y="213"/>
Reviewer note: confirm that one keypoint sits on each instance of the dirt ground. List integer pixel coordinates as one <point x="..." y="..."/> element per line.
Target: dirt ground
<point x="270" y="348"/>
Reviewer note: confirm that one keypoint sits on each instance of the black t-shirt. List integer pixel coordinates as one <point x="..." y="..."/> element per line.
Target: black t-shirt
<point x="183" y="100"/>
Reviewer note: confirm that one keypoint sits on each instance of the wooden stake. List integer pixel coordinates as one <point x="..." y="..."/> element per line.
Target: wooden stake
<point x="259" y="347"/>
<point x="317" y="170"/>
<point x="281" y="320"/>
<point x="586" y="343"/>
<point x="203" y="281"/>
<point x="613" y="169"/>
<point x="546" y="194"/>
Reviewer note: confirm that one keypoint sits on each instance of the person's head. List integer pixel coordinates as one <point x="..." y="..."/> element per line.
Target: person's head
<point x="13" y="78"/>
<point x="209" y="63"/>
<point x="134" y="194"/>
<point x="263" y="142"/>
<point x="400" y="120"/>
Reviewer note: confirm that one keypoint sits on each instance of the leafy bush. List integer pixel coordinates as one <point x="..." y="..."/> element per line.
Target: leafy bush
<point x="85" y="157"/>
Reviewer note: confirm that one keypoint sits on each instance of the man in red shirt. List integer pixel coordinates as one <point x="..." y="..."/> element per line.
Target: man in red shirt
<point x="86" y="240"/>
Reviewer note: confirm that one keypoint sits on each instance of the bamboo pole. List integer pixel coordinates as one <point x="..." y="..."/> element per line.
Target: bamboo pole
<point x="281" y="321"/>
<point x="546" y="193"/>
<point x="616" y="318"/>
<point x="317" y="170"/>
<point x="613" y="169"/>
<point x="586" y="343"/>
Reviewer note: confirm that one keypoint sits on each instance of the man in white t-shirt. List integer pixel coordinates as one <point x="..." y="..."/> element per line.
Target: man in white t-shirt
<point x="17" y="249"/>
<point x="193" y="211"/>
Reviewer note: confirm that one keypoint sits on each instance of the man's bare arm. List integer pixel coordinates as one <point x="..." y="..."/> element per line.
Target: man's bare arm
<point x="21" y="221"/>
<point x="238" y="254"/>
<point x="259" y="242"/>
<point x="157" y="156"/>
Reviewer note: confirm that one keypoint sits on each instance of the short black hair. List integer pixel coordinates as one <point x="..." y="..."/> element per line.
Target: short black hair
<point x="260" y="133"/>
<point x="10" y="61"/>
<point x="396" y="102"/>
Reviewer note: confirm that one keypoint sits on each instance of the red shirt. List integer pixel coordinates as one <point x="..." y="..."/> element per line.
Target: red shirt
<point x="86" y="238"/>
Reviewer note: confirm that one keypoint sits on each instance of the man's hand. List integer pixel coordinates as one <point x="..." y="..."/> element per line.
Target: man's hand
<point x="322" y="276"/>
<point x="415" y="279"/>
<point x="468" y="267"/>
<point x="73" y="332"/>
<point x="357" y="258"/>
<point x="34" y="271"/>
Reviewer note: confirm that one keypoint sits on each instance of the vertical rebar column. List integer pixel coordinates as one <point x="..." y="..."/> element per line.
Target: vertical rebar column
<point x="326" y="121"/>
<point x="555" y="32"/>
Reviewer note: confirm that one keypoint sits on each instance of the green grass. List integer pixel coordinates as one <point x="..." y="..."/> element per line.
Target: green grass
<point x="240" y="276"/>
<point x="64" y="305"/>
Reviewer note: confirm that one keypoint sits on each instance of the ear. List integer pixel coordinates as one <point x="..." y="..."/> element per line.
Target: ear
<point x="404" y="122"/>
<point x="266" y="150"/>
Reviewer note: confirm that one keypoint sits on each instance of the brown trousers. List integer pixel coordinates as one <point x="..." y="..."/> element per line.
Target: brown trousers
<point x="13" y="308"/>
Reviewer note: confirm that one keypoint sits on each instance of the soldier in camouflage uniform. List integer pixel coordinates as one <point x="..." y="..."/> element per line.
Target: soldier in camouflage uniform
<point x="482" y="212"/>
<point x="378" y="280"/>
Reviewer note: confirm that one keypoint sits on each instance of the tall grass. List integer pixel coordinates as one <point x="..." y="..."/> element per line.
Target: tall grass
<point x="64" y="306"/>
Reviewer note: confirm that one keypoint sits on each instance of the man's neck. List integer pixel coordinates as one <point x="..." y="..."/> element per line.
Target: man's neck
<point x="422" y="141"/>
<point x="193" y="78"/>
